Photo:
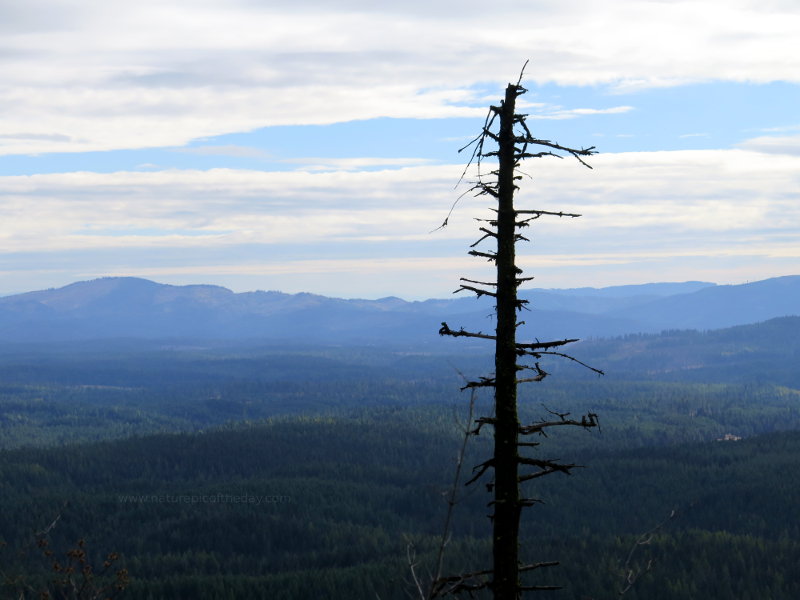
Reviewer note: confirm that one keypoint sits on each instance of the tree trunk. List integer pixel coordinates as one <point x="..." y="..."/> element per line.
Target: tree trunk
<point x="506" y="429"/>
<point x="514" y="140"/>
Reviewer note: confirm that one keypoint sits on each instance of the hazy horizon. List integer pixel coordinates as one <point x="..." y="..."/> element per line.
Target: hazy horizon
<point x="449" y="296"/>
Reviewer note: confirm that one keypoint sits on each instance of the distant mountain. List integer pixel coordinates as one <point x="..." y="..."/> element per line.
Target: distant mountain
<point x="721" y="306"/>
<point x="761" y="353"/>
<point x="119" y="307"/>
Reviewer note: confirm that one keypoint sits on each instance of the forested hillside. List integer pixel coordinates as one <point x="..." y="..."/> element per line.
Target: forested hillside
<point x="325" y="507"/>
<point x="270" y="471"/>
<point x="77" y="392"/>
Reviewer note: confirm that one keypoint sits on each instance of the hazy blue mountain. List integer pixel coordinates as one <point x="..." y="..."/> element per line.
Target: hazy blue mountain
<point x="645" y="289"/>
<point x="720" y="306"/>
<point x="119" y="307"/>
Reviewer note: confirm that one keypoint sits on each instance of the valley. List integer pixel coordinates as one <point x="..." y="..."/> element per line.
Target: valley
<point x="225" y="468"/>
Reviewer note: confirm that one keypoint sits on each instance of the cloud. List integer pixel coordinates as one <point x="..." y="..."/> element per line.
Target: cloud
<point x="781" y="129"/>
<point x="220" y="207"/>
<point x="773" y="144"/>
<point x="560" y="113"/>
<point x="355" y="164"/>
<point x="652" y="214"/>
<point x="48" y="137"/>
<point x="157" y="74"/>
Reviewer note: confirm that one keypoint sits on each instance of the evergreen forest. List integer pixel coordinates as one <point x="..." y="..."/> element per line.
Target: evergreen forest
<point x="216" y="471"/>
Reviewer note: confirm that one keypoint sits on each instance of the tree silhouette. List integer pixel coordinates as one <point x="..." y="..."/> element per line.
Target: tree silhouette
<point x="515" y="362"/>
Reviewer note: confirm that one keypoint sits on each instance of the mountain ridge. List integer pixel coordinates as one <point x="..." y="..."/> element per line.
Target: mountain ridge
<point x="135" y="307"/>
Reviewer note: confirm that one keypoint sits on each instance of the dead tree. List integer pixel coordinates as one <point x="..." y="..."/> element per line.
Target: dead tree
<point x="515" y="362"/>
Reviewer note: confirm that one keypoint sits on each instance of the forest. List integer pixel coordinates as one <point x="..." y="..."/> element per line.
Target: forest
<point x="228" y="471"/>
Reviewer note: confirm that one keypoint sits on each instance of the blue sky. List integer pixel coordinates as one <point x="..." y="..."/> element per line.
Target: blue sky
<point x="315" y="148"/>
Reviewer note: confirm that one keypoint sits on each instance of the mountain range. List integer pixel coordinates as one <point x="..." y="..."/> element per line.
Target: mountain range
<point x="127" y="307"/>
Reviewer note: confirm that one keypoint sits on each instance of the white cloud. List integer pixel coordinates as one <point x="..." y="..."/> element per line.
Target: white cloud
<point x="773" y="144"/>
<point x="685" y="212"/>
<point x="49" y="137"/>
<point x="354" y="164"/>
<point x="116" y="74"/>
<point x="571" y="113"/>
<point x="781" y="129"/>
<point x="63" y="211"/>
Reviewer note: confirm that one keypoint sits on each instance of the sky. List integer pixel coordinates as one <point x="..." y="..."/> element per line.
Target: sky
<point x="314" y="146"/>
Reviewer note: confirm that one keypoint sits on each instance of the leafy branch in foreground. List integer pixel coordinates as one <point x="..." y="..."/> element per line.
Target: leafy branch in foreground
<point x="72" y="576"/>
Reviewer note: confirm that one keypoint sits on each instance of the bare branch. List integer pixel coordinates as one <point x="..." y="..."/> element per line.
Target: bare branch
<point x="453" y="494"/>
<point x="540" y="588"/>
<point x="537" y="354"/>
<point x="630" y="574"/>
<point x="521" y="73"/>
<point x="445" y="330"/>
<point x="481" y="468"/>
<point x="481" y="422"/>
<point x="479" y="241"/>
<point x="545" y="345"/>
<point x="477" y="291"/>
<point x="546" y="212"/>
<point x="492" y="283"/>
<point x="484" y="382"/>
<point x="412" y="565"/>
<point x="587" y="421"/>
<point x="487" y="255"/>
